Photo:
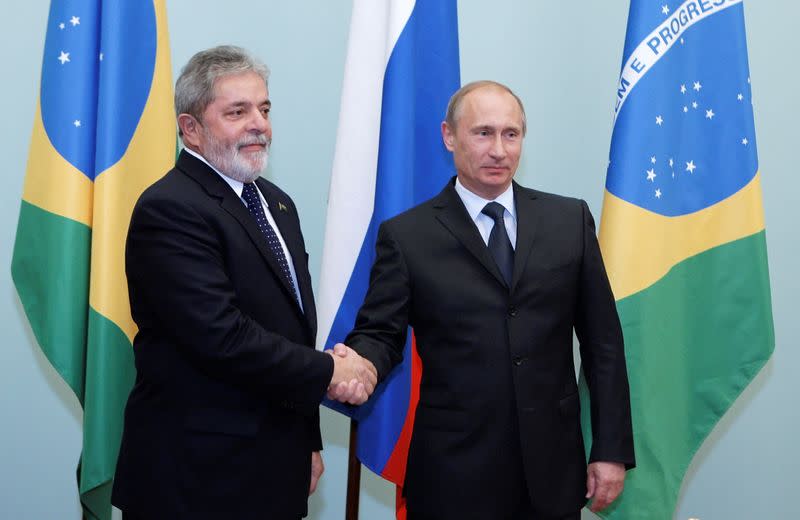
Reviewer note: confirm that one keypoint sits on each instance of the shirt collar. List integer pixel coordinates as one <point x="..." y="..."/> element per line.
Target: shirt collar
<point x="475" y="203"/>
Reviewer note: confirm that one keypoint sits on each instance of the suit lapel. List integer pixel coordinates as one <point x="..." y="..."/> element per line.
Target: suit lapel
<point x="286" y="220"/>
<point x="233" y="205"/>
<point x="453" y="216"/>
<point x="528" y="223"/>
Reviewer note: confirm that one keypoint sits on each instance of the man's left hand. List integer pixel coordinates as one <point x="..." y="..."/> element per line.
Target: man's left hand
<point x="604" y="482"/>
<point x="317" y="468"/>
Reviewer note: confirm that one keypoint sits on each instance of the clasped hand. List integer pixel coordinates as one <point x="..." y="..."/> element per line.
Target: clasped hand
<point x="354" y="377"/>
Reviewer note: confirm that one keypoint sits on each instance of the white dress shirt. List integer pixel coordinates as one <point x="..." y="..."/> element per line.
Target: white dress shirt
<point x="475" y="204"/>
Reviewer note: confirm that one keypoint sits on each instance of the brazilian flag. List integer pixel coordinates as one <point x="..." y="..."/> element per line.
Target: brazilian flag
<point x="683" y="238"/>
<point x="103" y="131"/>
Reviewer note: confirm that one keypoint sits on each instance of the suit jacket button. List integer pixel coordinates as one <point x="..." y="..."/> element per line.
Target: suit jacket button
<point x="518" y="361"/>
<point x="512" y="311"/>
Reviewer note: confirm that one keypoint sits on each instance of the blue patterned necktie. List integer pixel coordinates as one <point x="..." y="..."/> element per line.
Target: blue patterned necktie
<point x="250" y="196"/>
<point x="499" y="243"/>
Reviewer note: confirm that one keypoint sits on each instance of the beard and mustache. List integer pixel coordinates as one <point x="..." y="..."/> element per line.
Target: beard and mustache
<point x="228" y="158"/>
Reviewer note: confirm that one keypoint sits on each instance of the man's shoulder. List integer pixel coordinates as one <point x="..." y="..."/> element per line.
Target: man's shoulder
<point x="172" y="185"/>
<point x="178" y="189"/>
<point x="557" y="208"/>
<point x="550" y="198"/>
<point x="415" y="214"/>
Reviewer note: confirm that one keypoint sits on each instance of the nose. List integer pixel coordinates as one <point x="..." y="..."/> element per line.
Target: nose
<point x="259" y="123"/>
<point x="498" y="148"/>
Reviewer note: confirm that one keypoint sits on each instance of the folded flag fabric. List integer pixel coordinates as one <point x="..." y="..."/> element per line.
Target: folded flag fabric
<point x="104" y="130"/>
<point x="682" y="235"/>
<point x="402" y="67"/>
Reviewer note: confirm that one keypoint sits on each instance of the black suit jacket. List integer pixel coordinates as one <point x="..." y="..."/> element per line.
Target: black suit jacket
<point x="224" y="414"/>
<point x="498" y="413"/>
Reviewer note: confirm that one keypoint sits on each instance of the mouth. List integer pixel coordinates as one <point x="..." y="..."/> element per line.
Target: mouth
<point x="253" y="147"/>
<point x="253" y="144"/>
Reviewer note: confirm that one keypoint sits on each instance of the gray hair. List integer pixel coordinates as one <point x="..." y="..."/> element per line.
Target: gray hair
<point x="454" y="106"/>
<point x="194" y="90"/>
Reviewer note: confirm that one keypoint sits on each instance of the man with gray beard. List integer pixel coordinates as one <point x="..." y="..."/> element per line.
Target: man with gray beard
<point x="223" y="420"/>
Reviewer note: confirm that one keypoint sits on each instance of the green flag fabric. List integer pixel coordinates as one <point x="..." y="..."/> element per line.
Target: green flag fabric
<point x="683" y="238"/>
<point x="103" y="131"/>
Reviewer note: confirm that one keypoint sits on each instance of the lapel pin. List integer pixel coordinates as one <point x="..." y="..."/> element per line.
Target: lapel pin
<point x="282" y="206"/>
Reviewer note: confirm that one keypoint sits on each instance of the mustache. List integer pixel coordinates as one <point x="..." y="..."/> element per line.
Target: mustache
<point x="261" y="139"/>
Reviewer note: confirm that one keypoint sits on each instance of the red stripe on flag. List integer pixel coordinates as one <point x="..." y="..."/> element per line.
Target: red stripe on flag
<point x="400" y="504"/>
<point x="395" y="469"/>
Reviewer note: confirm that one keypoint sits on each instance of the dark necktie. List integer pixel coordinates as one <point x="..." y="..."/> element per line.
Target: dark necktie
<point x="499" y="244"/>
<point x="250" y="196"/>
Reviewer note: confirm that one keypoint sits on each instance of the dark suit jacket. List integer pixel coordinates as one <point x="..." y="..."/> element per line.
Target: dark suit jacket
<point x="499" y="407"/>
<point x="224" y="414"/>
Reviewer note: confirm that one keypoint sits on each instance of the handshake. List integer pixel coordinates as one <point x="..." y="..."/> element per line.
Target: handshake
<point x="354" y="377"/>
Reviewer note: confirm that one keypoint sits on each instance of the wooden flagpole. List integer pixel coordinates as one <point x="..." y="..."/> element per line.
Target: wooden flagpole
<point x="353" y="475"/>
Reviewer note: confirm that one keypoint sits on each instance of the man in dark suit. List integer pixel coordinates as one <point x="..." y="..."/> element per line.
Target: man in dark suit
<point x="223" y="420"/>
<point x="494" y="277"/>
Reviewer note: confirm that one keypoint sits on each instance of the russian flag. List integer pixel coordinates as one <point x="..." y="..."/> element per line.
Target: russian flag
<point x="402" y="67"/>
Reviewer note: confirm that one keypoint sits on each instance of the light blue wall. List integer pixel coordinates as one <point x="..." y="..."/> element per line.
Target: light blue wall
<point x="562" y="58"/>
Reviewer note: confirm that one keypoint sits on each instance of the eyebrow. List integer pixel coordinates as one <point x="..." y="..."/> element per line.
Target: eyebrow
<point x="237" y="104"/>
<point x="478" y="128"/>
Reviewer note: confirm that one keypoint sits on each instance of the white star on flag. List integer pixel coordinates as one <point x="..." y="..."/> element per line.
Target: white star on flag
<point x="690" y="166"/>
<point x="694" y="104"/>
<point x="671" y="162"/>
<point x="64" y="57"/>
<point x="685" y="109"/>
<point x="659" y="120"/>
<point x="653" y="159"/>
<point x="709" y="114"/>
<point x="101" y="56"/>
<point x="77" y="123"/>
<point x="744" y="141"/>
<point x="61" y="26"/>
<point x="665" y="9"/>
<point x="697" y="86"/>
<point x="75" y="20"/>
<point x="740" y="96"/>
<point x="658" y="193"/>
<point x="651" y="175"/>
<point x="683" y="89"/>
